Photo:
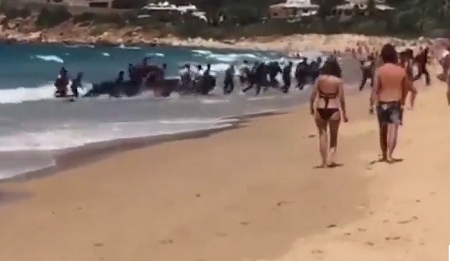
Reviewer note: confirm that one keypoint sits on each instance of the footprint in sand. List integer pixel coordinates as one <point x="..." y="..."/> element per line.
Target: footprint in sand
<point x="220" y="234"/>
<point x="361" y="229"/>
<point x="402" y="222"/>
<point x="392" y="238"/>
<point x="166" y="241"/>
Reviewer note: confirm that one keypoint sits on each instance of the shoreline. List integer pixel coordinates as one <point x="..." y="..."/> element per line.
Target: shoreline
<point x="71" y="158"/>
<point x="249" y="208"/>
<point x="64" y="159"/>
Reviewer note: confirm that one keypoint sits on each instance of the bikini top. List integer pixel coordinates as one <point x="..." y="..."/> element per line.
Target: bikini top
<point x="327" y="96"/>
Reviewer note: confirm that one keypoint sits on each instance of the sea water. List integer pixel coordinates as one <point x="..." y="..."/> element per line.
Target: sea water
<point x="33" y="124"/>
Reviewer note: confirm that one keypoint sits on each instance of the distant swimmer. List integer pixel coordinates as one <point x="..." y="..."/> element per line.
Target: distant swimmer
<point x="327" y="105"/>
<point x="389" y="93"/>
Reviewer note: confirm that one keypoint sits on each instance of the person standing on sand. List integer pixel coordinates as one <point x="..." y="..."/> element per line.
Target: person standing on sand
<point x="327" y="105"/>
<point x="391" y="87"/>
<point x="422" y="60"/>
<point x="445" y="62"/>
<point x="367" y="66"/>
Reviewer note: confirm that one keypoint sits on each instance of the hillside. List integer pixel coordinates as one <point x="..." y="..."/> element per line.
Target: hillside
<point x="229" y="19"/>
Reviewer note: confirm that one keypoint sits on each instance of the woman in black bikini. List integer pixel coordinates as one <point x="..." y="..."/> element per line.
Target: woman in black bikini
<point x="327" y="105"/>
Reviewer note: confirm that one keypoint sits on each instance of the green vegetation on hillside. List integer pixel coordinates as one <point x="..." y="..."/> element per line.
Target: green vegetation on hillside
<point x="248" y="18"/>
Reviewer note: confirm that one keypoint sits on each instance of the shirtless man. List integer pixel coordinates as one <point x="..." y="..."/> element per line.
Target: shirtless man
<point x="391" y="87"/>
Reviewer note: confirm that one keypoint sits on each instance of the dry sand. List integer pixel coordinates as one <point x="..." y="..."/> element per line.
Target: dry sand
<point x="247" y="194"/>
<point x="298" y="42"/>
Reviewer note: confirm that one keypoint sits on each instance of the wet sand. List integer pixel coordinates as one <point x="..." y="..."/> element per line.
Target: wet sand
<point x="251" y="193"/>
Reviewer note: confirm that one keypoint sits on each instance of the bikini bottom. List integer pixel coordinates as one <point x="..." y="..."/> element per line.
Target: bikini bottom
<point x="326" y="113"/>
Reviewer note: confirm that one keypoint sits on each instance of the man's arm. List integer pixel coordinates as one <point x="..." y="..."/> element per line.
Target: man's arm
<point x="445" y="64"/>
<point x="375" y="89"/>
<point x="342" y="100"/>
<point x="408" y="87"/>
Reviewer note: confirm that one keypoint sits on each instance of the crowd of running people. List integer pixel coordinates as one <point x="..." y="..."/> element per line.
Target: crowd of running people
<point x="197" y="79"/>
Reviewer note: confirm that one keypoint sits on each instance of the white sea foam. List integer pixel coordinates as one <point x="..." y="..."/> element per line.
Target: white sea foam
<point x="106" y="54"/>
<point x="213" y="101"/>
<point x="122" y="46"/>
<point x="48" y="58"/>
<point x="43" y="92"/>
<point x="76" y="135"/>
<point x="155" y="54"/>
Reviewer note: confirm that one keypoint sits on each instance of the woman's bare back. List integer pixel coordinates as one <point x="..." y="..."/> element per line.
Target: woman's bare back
<point x="330" y="87"/>
<point x="390" y="83"/>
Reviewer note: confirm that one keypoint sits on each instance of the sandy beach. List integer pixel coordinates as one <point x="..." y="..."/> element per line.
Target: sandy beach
<point x="251" y="193"/>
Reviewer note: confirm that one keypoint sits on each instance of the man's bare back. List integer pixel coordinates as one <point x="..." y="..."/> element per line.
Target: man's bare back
<point x="391" y="83"/>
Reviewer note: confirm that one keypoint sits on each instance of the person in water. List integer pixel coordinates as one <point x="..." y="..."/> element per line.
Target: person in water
<point x="120" y="78"/>
<point x="301" y="73"/>
<point x="422" y="60"/>
<point x="327" y="105"/>
<point x="186" y="76"/>
<point x="133" y="74"/>
<point x="286" y="75"/>
<point x="61" y="83"/>
<point x="76" y="83"/>
<point x="228" y="80"/>
<point x="244" y="73"/>
<point x="389" y="93"/>
<point x="253" y="79"/>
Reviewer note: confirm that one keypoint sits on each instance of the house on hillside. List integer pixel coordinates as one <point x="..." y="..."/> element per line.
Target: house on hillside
<point x="118" y="4"/>
<point x="358" y="7"/>
<point x="293" y="9"/>
<point x="89" y="3"/>
<point x="166" y="7"/>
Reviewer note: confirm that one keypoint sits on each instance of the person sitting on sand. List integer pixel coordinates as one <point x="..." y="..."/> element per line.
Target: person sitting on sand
<point x="391" y="87"/>
<point x="327" y="105"/>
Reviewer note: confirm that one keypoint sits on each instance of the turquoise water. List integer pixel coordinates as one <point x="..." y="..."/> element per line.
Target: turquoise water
<point x="33" y="125"/>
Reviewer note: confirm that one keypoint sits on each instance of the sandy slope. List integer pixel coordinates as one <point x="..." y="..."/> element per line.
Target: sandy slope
<point x="247" y="194"/>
